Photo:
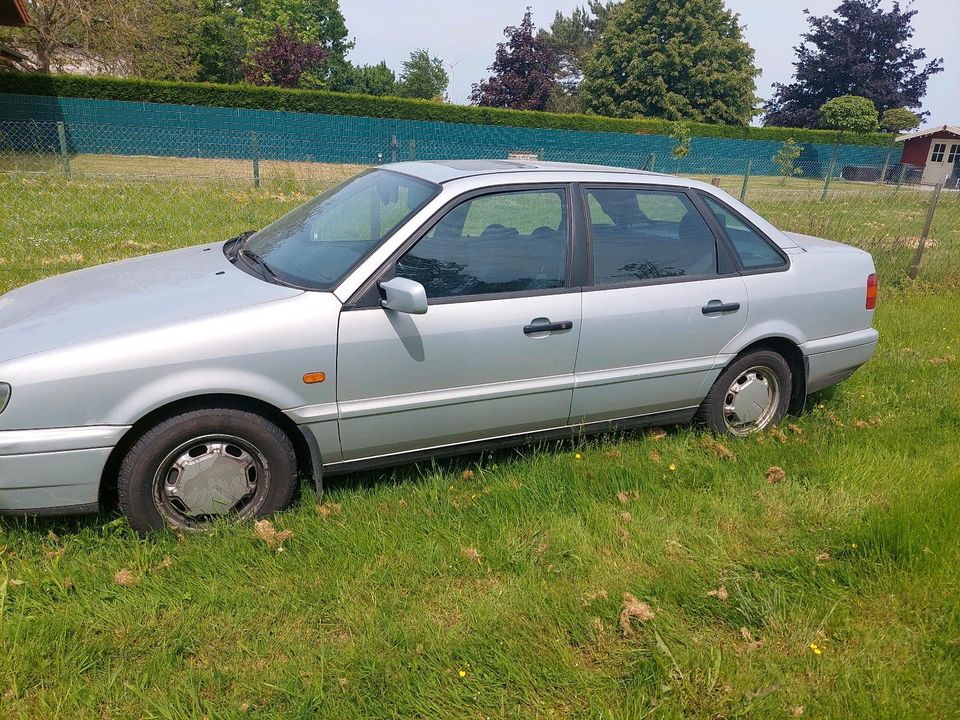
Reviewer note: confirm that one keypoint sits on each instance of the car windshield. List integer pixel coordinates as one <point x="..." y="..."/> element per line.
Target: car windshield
<point x="317" y="244"/>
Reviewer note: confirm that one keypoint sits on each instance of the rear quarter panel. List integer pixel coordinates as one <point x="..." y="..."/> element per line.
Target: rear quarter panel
<point x="822" y="295"/>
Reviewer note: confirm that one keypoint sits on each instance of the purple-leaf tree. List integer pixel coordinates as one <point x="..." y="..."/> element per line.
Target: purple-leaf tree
<point x="524" y="71"/>
<point x="282" y="59"/>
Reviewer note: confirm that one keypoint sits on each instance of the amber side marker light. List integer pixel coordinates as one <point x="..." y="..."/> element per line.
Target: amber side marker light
<point x="314" y="378"/>
<point x="872" y="292"/>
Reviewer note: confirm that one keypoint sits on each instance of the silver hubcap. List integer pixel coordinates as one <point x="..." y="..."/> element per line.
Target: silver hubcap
<point x="209" y="477"/>
<point x="751" y="402"/>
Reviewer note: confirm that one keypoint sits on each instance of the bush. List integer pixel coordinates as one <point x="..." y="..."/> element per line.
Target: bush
<point x="332" y="103"/>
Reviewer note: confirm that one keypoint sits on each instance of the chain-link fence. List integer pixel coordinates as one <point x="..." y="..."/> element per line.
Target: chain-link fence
<point x="65" y="209"/>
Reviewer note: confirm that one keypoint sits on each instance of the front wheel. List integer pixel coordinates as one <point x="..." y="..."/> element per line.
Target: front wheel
<point x="194" y="468"/>
<point x="752" y="394"/>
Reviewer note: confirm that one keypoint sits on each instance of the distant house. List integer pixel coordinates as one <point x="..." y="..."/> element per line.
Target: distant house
<point x="14" y="13"/>
<point x="936" y="151"/>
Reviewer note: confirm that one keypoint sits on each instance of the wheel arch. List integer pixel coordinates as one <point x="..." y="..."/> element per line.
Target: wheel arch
<point x="791" y="352"/>
<point x="305" y="446"/>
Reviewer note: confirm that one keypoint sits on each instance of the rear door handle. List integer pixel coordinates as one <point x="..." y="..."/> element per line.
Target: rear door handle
<point x="548" y="327"/>
<point x="715" y="308"/>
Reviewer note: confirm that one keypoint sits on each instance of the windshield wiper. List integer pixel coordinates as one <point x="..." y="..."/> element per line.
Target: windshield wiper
<point x="233" y="245"/>
<point x="254" y="259"/>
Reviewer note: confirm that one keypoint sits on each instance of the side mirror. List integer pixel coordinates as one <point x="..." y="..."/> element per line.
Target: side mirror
<point x="404" y="295"/>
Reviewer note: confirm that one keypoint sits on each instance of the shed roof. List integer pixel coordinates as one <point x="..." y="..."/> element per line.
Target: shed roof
<point x="952" y="129"/>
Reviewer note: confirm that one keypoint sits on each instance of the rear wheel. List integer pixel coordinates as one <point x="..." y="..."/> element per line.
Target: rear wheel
<point x="194" y="468"/>
<point x="752" y="394"/>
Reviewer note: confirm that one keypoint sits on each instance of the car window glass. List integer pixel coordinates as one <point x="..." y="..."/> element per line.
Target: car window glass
<point x="319" y="242"/>
<point x="505" y="242"/>
<point x="648" y="235"/>
<point x="754" y="251"/>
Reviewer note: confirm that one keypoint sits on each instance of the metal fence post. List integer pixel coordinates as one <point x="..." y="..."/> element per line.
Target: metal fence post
<point x="903" y="174"/>
<point x="394" y="145"/>
<point x="746" y="181"/>
<point x="651" y="162"/>
<point x="928" y="223"/>
<point x="833" y="166"/>
<point x="64" y="153"/>
<point x="715" y="182"/>
<point x="255" y="155"/>
<point x="412" y="150"/>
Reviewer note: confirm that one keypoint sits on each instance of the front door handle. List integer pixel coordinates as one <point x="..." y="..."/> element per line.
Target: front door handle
<point x="535" y="328"/>
<point x="715" y="307"/>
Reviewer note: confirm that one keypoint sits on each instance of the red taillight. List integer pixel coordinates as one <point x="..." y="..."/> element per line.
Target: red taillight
<point x="872" y="292"/>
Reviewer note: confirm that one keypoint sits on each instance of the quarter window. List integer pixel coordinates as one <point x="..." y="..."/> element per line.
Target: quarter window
<point x="648" y="235"/>
<point x="505" y="242"/>
<point x="754" y="251"/>
<point x="938" y="151"/>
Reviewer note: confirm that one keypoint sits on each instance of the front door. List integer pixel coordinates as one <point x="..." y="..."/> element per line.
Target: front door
<point x="659" y="310"/>
<point x="494" y="354"/>
<point x="943" y="155"/>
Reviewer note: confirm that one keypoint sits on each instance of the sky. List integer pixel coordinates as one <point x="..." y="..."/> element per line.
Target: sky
<point x="465" y="33"/>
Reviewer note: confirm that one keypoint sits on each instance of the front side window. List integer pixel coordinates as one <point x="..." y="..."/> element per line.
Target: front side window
<point x="318" y="243"/>
<point x="505" y="242"/>
<point x="938" y="150"/>
<point x="754" y="251"/>
<point x="648" y="235"/>
<point x="954" y="154"/>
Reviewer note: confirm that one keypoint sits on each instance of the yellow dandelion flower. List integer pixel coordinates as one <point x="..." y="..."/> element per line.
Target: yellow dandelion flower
<point x="673" y="466"/>
<point x="578" y="456"/>
<point x="463" y="673"/>
<point x="816" y="649"/>
<point x="854" y="546"/>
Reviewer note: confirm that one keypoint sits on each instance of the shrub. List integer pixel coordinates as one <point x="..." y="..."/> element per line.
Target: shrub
<point x="332" y="103"/>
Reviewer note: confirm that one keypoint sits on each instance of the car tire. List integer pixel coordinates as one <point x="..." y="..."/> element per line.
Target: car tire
<point x="195" y="467"/>
<point x="751" y="395"/>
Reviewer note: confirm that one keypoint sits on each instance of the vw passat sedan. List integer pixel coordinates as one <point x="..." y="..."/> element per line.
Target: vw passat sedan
<point x="418" y="309"/>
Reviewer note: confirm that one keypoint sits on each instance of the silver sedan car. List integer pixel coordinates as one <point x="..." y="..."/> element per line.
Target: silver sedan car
<point x="416" y="310"/>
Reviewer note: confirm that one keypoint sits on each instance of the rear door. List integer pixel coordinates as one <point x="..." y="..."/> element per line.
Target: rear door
<point x="494" y="354"/>
<point x="664" y="299"/>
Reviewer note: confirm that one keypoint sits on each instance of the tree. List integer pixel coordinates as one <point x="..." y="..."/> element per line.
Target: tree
<point x="423" y="77"/>
<point x="524" y="71"/>
<point x="672" y="59"/>
<point x="365" y="79"/>
<point x="786" y="159"/>
<point x="102" y="35"/>
<point x="849" y="114"/>
<point x="220" y="44"/>
<point x="898" y="120"/>
<point x="318" y="22"/>
<point x="571" y="39"/>
<point x="283" y="59"/>
<point x="680" y="131"/>
<point x="861" y="50"/>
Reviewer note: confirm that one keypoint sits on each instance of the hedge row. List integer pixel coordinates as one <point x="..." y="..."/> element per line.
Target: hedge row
<point x="331" y="103"/>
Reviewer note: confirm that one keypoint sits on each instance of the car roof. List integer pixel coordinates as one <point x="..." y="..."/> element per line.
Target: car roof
<point x="442" y="171"/>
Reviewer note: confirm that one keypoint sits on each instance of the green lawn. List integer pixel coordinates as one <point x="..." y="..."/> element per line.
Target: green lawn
<point x="494" y="586"/>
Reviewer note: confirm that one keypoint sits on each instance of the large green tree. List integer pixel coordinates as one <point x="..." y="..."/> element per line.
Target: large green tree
<point x="423" y="76"/>
<point x="672" y="59"/>
<point x="317" y="22"/>
<point x="571" y="39"/>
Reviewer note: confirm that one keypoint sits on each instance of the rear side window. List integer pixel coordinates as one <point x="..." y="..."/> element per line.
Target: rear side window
<point x="754" y="251"/>
<point x="505" y="242"/>
<point x="648" y="235"/>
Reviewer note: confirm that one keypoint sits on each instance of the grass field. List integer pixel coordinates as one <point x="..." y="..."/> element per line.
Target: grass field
<point x="494" y="586"/>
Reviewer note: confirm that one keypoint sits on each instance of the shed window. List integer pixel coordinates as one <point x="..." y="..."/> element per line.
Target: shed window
<point x="954" y="154"/>
<point x="938" y="151"/>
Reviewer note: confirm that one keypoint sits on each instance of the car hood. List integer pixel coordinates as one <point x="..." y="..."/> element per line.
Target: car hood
<point x="127" y="297"/>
